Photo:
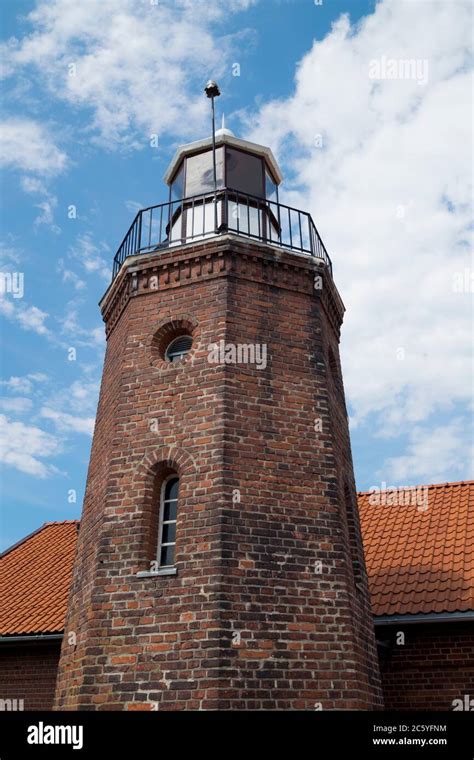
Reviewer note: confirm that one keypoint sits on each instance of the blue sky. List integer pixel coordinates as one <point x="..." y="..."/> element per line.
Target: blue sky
<point x="382" y="164"/>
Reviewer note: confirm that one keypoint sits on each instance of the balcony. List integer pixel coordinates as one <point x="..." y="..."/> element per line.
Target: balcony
<point x="200" y="217"/>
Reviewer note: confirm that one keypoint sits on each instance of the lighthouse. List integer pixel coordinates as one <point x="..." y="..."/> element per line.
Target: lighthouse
<point x="219" y="563"/>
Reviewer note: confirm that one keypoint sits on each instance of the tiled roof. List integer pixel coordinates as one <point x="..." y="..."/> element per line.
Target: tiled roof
<point x="420" y="560"/>
<point x="35" y="575"/>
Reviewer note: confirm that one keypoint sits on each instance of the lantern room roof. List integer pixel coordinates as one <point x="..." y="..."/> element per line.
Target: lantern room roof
<point x="224" y="137"/>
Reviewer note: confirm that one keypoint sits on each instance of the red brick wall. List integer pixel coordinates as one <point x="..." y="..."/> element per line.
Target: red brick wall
<point x="28" y="672"/>
<point x="246" y="623"/>
<point x="433" y="667"/>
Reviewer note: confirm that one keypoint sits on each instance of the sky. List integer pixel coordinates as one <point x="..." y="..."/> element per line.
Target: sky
<point x="367" y="107"/>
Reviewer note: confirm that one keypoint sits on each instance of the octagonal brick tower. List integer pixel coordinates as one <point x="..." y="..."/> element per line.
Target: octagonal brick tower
<point x="219" y="563"/>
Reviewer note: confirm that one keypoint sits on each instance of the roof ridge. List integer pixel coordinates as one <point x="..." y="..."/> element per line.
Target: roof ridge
<point x="34" y="533"/>
<point x="424" y="485"/>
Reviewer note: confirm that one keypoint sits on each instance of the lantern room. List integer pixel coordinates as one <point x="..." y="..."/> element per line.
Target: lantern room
<point x="244" y="198"/>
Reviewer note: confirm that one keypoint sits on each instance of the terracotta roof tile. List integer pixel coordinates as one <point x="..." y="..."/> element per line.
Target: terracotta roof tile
<point x="420" y="561"/>
<point x="35" y="575"/>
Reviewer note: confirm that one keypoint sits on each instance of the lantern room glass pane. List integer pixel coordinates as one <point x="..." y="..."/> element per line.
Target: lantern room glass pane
<point x="177" y="186"/>
<point x="270" y="188"/>
<point x="244" y="172"/>
<point x="200" y="173"/>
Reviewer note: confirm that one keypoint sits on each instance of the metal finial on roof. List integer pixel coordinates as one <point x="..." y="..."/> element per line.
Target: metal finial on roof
<point x="223" y="130"/>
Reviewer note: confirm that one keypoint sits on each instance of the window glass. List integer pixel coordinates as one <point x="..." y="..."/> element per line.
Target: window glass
<point x="168" y="510"/>
<point x="169" y="533"/>
<point x="270" y="188"/>
<point x="244" y="172"/>
<point x="171" y="490"/>
<point x="167" y="555"/>
<point x="200" y="173"/>
<point x="177" y="186"/>
<point x="178" y="348"/>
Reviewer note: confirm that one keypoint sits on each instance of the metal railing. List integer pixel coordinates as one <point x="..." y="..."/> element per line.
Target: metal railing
<point x="190" y="219"/>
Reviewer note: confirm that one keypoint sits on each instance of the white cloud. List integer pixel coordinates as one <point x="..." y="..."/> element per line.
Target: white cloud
<point x="46" y="216"/>
<point x="79" y="400"/>
<point x="70" y="276"/>
<point x="23" y="384"/>
<point x="68" y="423"/>
<point x="82" y="396"/>
<point x="94" y="257"/>
<point x="433" y="455"/>
<point x="8" y="256"/>
<point x="26" y="145"/>
<point x="47" y="202"/>
<point x="139" y="67"/>
<point x="23" y="447"/>
<point x="81" y="336"/>
<point x="28" y="317"/>
<point x="72" y="409"/>
<point x="18" y="404"/>
<point x="390" y="191"/>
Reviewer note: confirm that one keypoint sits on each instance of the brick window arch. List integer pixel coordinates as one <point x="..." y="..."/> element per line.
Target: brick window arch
<point x="173" y="340"/>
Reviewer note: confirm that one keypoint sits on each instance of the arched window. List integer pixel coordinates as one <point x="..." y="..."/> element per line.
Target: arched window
<point x="167" y="524"/>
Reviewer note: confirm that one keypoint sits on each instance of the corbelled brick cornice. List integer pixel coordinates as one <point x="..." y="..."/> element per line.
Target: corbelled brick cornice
<point x="223" y="256"/>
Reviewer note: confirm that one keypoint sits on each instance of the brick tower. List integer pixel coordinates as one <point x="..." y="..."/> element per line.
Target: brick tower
<point x="219" y="562"/>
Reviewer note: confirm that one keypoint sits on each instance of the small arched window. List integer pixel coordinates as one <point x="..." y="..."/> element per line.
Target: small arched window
<point x="178" y="348"/>
<point x="167" y="524"/>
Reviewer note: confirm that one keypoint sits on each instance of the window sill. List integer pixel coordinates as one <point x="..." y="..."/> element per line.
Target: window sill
<point x="155" y="573"/>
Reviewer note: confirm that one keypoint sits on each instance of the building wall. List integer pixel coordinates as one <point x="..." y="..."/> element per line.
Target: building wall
<point x="434" y="667"/>
<point x="248" y="621"/>
<point x="28" y="672"/>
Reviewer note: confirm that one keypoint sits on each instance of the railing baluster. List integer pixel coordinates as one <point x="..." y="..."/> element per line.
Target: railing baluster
<point x="279" y="222"/>
<point x="140" y="231"/>
<point x="150" y="224"/>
